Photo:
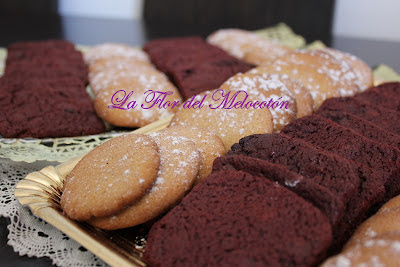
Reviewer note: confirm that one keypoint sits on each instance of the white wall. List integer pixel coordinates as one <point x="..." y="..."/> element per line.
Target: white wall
<point x="116" y="9"/>
<point x="371" y="19"/>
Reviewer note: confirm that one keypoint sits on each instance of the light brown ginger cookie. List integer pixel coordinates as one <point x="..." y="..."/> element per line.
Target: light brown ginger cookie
<point x="110" y="177"/>
<point x="127" y="102"/>
<point x="108" y="50"/>
<point x="179" y="165"/>
<point x="382" y="250"/>
<point x="264" y="51"/>
<point x="364" y="75"/>
<point x="303" y="96"/>
<point x="208" y="143"/>
<point x="382" y="222"/>
<point x="219" y="115"/>
<point x="319" y="85"/>
<point x="340" y="72"/>
<point x="264" y="90"/>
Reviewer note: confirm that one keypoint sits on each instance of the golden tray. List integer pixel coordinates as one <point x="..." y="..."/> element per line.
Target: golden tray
<point x="41" y="192"/>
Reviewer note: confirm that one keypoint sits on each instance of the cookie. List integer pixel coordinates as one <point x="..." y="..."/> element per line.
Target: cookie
<point x="39" y="108"/>
<point x="193" y="64"/>
<point x="266" y="90"/>
<point x="263" y="51"/>
<point x="303" y="96"/>
<point x="218" y="115"/>
<point x="115" y="64"/>
<point x="363" y="127"/>
<point x="364" y="75"/>
<point x="179" y="165"/>
<point x="350" y="145"/>
<point x="387" y="119"/>
<point x="208" y="143"/>
<point x="233" y="41"/>
<point x="233" y="218"/>
<point x="108" y="50"/>
<point x="386" y="95"/>
<point x="320" y="197"/>
<point x="111" y="177"/>
<point x="116" y="105"/>
<point x="318" y="84"/>
<point x="382" y="250"/>
<point x="340" y="72"/>
<point x="380" y="223"/>
<point x="102" y="79"/>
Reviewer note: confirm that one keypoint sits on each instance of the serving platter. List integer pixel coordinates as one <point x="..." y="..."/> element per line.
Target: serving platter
<point x="41" y="192"/>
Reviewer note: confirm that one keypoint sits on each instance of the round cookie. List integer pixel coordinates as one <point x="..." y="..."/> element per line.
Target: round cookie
<point x="233" y="41"/>
<point x="264" y="90"/>
<point x="113" y="64"/>
<point x="208" y="143"/>
<point x="391" y="204"/>
<point x="263" y="51"/>
<point x="380" y="223"/>
<point x="303" y="97"/>
<point x="364" y="75"/>
<point x="382" y="250"/>
<point x="115" y="105"/>
<point x="318" y="84"/>
<point x="110" y="177"/>
<point x="179" y="165"/>
<point x="100" y="80"/>
<point x="229" y="124"/>
<point x="108" y="50"/>
<point x="339" y="71"/>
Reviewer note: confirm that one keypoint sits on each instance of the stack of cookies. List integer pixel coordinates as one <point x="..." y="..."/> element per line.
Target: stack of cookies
<point x="134" y="178"/>
<point x="43" y="92"/>
<point x="127" y="88"/>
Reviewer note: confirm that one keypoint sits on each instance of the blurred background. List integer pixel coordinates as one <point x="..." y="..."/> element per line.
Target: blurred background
<point x="342" y="24"/>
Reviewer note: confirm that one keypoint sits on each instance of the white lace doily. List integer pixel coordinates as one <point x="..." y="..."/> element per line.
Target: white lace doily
<point x="28" y="234"/>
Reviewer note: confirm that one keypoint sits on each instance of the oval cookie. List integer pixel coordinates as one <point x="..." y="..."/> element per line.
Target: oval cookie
<point x="208" y="143"/>
<point x="263" y="51"/>
<point x="110" y="177"/>
<point x="382" y="222"/>
<point x="230" y="124"/>
<point x="340" y="72"/>
<point x="232" y="41"/>
<point x="363" y="73"/>
<point x="303" y="97"/>
<point x="179" y="165"/>
<point x="127" y="102"/>
<point x="382" y="250"/>
<point x="108" y="50"/>
<point x="318" y="84"/>
<point x="266" y="90"/>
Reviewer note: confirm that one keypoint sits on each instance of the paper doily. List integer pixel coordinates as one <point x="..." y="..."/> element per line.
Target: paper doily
<point x="52" y="149"/>
<point x="28" y="234"/>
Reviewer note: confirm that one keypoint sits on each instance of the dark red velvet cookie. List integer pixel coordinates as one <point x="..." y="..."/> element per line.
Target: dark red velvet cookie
<point x="322" y="167"/>
<point x="386" y="95"/>
<point x="193" y="64"/>
<point x="349" y="144"/>
<point x="46" y="108"/>
<point x="363" y="127"/>
<point x="233" y="218"/>
<point x="317" y="195"/>
<point x="386" y="118"/>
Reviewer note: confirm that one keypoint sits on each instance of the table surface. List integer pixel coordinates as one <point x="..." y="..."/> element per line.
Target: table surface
<point x="90" y="31"/>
